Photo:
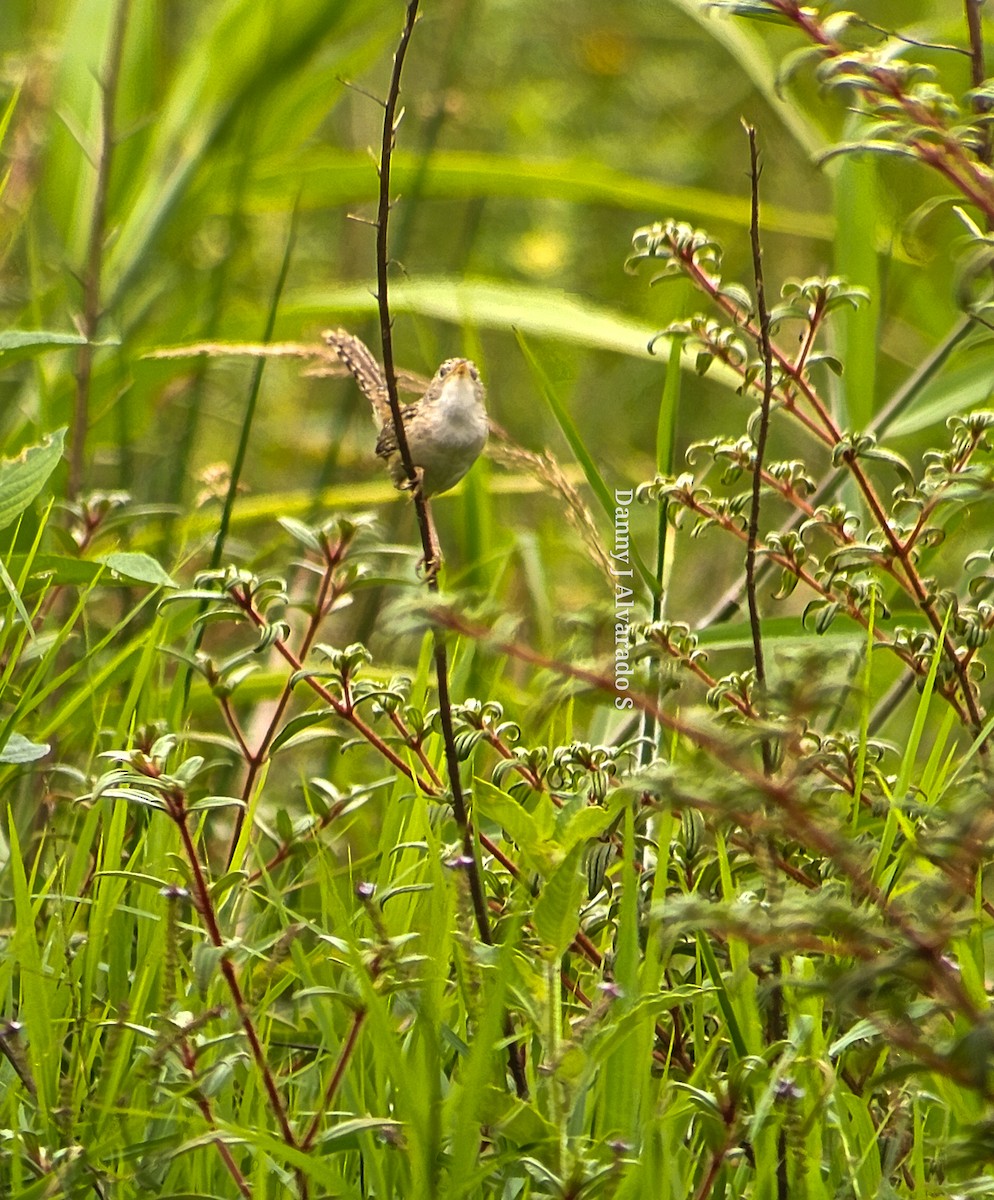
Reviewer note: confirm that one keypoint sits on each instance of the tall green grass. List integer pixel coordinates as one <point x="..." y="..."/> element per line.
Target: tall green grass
<point x="238" y="951"/>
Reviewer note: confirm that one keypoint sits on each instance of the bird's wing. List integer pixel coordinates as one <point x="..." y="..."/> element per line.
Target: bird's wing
<point x="386" y="443"/>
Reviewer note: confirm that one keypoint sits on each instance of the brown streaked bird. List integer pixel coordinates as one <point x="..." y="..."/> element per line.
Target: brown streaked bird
<point x="446" y="429"/>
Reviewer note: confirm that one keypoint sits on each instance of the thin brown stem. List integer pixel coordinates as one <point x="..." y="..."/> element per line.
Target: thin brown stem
<point x="764" y="427"/>
<point x="777" y="1029"/>
<point x="205" y="906"/>
<point x="344" y="1057"/>
<point x="417" y="746"/>
<point x="285" y="849"/>
<point x="431" y="556"/>
<point x="718" y="1156"/>
<point x="342" y="710"/>
<point x="978" y="70"/>
<point x="189" y="1059"/>
<point x="326" y="594"/>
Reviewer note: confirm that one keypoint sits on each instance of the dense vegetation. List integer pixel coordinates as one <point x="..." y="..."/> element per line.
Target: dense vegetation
<point x="644" y="851"/>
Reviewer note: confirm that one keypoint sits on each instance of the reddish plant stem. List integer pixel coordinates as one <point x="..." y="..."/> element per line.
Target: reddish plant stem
<point x="201" y="1101"/>
<point x="814" y="324"/>
<point x="244" y="601"/>
<point x="946" y="153"/>
<point x="831" y="434"/>
<point x="528" y="775"/>
<point x="935" y="499"/>
<point x="344" y="1057"/>
<point x="285" y="849"/>
<point x="205" y="906"/>
<point x="742" y="704"/>
<point x="326" y="595"/>
<point x="719" y="1154"/>
<point x="417" y="746"/>
<point x="807" y="578"/>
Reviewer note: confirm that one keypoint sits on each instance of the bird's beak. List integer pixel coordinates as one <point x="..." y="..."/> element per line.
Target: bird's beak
<point x="461" y="369"/>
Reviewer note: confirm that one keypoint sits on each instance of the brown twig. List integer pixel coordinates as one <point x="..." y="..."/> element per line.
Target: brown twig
<point x="425" y="527"/>
<point x="766" y="349"/>
<point x="328" y="592"/>
<point x="177" y="810"/>
<point x="347" y="713"/>
<point x="189" y="1059"/>
<point x="344" y="1057"/>
<point x="978" y="74"/>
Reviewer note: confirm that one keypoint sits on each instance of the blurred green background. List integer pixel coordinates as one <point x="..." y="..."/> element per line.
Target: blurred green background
<point x="535" y="139"/>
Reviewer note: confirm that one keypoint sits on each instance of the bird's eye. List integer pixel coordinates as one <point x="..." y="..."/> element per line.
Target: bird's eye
<point x="444" y="369"/>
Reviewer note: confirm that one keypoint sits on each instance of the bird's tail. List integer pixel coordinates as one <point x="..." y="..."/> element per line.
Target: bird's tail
<point x="365" y="370"/>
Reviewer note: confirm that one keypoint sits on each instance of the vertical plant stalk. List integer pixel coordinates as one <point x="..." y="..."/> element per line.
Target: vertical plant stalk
<point x="205" y="906"/>
<point x="390" y="122"/>
<point x="665" y="453"/>
<point x="344" y="1058"/>
<point x="255" y="759"/>
<point x="238" y="465"/>
<point x="220" y="541"/>
<point x="766" y="349"/>
<point x="425" y="526"/>
<point x="93" y="270"/>
<point x="189" y="1059"/>
<point x="978" y="71"/>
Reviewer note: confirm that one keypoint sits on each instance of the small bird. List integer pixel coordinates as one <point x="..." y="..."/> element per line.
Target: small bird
<point x="446" y="429"/>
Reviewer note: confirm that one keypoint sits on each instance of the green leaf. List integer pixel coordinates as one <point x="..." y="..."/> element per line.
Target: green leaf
<point x="490" y="303"/>
<point x="493" y="304"/>
<point x="190" y="1196"/>
<point x="753" y="55"/>
<point x="15" y="595"/>
<point x="301" y="729"/>
<point x="519" y="825"/>
<point x="261" y="56"/>
<point x="346" y="1134"/>
<point x="22" y="478"/>
<point x="20" y="749"/>
<point x="59" y="569"/>
<point x="17" y="344"/>
<point x="858" y="212"/>
<point x="557" y="909"/>
<point x="668" y="408"/>
<point x="331" y="177"/>
<point x="204" y="960"/>
<point x="586" y="824"/>
<point x="948" y="393"/>
<point x="211" y="802"/>
<point x="140" y="567"/>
